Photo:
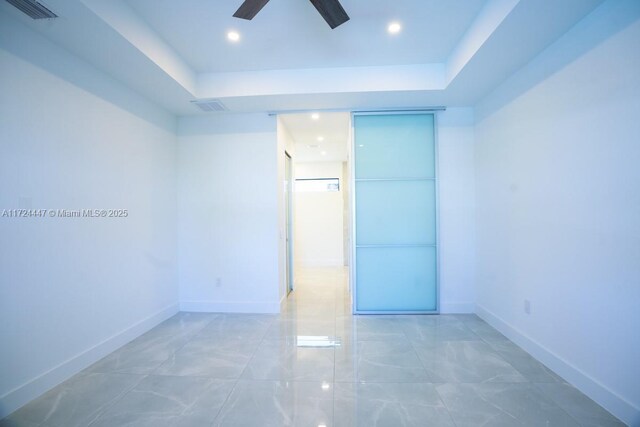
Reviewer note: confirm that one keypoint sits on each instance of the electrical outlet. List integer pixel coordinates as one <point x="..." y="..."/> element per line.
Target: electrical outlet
<point x="527" y="306"/>
<point x="218" y="282"/>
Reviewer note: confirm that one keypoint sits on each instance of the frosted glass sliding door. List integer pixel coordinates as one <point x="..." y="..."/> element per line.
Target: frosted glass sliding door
<point x="395" y="213"/>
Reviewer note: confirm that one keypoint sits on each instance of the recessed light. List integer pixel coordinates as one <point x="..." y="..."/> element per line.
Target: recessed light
<point x="315" y="116"/>
<point x="233" y="36"/>
<point x="324" y="153"/>
<point x="320" y="138"/>
<point x="326" y="386"/>
<point x="394" y="28"/>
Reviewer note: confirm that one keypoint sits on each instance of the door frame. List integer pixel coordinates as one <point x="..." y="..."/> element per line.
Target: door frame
<point x="289" y="282"/>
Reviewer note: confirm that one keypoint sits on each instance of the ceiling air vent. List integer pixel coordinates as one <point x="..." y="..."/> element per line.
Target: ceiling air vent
<point x="209" y="105"/>
<point x="33" y="9"/>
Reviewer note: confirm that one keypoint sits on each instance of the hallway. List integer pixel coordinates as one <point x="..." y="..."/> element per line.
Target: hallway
<point x="315" y="365"/>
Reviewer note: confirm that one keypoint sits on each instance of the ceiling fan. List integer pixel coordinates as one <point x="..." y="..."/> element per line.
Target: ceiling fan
<point x="331" y="10"/>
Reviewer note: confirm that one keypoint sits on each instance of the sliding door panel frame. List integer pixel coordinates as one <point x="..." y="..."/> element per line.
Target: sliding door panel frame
<point x="354" y="208"/>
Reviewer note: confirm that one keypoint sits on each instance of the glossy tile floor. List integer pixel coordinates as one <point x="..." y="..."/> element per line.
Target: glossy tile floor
<point x="316" y="365"/>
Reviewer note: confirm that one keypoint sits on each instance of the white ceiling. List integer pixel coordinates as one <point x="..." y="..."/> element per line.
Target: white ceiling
<point x="450" y="52"/>
<point x="334" y="128"/>
<point x="291" y="33"/>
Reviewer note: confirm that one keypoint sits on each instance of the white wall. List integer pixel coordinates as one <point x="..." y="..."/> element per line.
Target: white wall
<point x="457" y="209"/>
<point x="228" y="214"/>
<point x="319" y="218"/>
<point x="558" y="203"/>
<point x="74" y="289"/>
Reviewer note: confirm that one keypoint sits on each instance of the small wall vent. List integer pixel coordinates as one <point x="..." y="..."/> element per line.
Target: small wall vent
<point x="33" y="9"/>
<point x="209" y="105"/>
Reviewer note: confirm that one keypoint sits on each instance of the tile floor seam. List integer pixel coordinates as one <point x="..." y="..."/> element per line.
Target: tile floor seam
<point x="424" y="367"/>
<point x="214" y="419"/>
<point x="255" y="350"/>
<point x="173" y="353"/>
<point x="199" y="331"/>
<point x="521" y="372"/>
<point x="492" y="404"/>
<point x="539" y="390"/>
<point x="504" y="359"/>
<point x="480" y="338"/>
<point x="117" y="399"/>
<point x="445" y="405"/>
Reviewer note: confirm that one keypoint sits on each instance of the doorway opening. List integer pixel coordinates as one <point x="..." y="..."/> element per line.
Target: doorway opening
<point x="317" y="211"/>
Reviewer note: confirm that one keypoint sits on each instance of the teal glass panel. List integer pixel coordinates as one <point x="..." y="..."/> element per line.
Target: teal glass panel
<point x="394" y="146"/>
<point x="395" y="212"/>
<point x="396" y="279"/>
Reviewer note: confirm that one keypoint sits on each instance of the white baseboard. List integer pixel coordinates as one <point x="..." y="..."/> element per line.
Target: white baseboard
<point x="457" y="307"/>
<point x="597" y="391"/>
<point x="34" y="388"/>
<point x="230" y="307"/>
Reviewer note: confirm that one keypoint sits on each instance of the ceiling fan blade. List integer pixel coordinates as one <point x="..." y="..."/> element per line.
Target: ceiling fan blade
<point x="332" y="12"/>
<point x="249" y="9"/>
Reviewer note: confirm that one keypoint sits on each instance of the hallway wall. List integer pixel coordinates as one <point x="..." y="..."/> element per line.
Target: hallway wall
<point x="319" y="229"/>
